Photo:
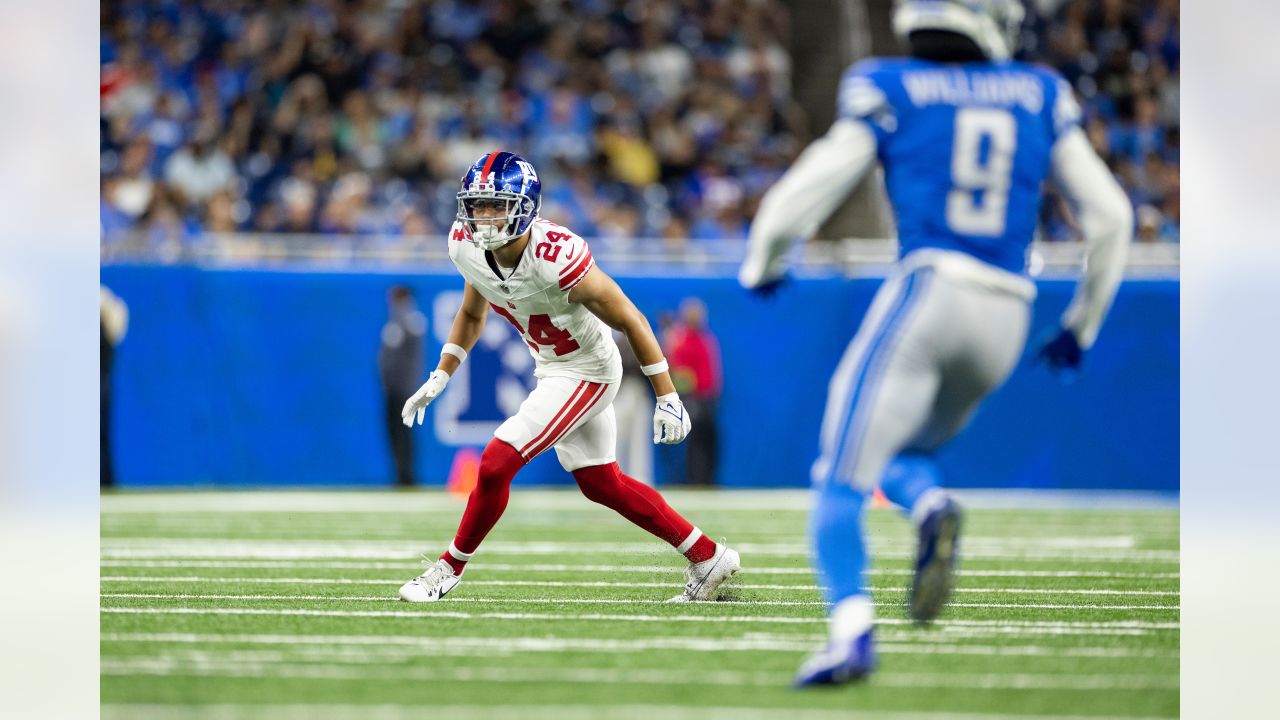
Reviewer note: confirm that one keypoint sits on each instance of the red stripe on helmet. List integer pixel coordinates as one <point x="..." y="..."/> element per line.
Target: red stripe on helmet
<point x="488" y="164"/>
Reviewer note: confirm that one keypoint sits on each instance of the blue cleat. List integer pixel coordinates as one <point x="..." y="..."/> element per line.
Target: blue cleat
<point x="936" y="559"/>
<point x="839" y="663"/>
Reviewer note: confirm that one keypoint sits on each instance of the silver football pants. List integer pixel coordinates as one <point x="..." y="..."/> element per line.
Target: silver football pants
<point x="932" y="346"/>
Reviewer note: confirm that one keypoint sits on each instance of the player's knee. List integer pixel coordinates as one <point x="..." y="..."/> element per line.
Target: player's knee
<point x="598" y="482"/>
<point x="498" y="465"/>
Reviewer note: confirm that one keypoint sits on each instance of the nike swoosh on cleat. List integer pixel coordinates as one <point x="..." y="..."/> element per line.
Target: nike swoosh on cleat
<point x="703" y="581"/>
<point x="444" y="592"/>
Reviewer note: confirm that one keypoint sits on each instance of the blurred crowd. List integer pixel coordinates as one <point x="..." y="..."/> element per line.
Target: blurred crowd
<point x="645" y="119"/>
<point x="1121" y="56"/>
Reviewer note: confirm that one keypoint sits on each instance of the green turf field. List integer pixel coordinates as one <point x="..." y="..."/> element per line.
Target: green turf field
<point x="283" y="605"/>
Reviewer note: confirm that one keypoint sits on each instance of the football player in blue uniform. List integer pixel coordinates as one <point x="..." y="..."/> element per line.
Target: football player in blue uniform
<point x="966" y="137"/>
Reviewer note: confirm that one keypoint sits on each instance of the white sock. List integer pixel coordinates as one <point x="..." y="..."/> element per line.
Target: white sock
<point x="931" y="500"/>
<point x="458" y="555"/>
<point x="851" y="617"/>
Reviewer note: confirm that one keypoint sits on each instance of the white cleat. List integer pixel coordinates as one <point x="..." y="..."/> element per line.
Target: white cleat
<point x="431" y="585"/>
<point x="703" y="579"/>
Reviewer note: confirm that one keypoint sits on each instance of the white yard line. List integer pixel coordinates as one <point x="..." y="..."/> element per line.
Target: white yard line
<point x="627" y="676"/>
<point x="994" y="536"/>
<point x="384" y="654"/>
<point x="597" y="583"/>
<point x="481" y="566"/>
<point x="392" y="598"/>
<point x="338" y="532"/>
<point x="568" y="499"/>
<point x="994" y="544"/>
<point x="444" y="518"/>
<point x="458" y="615"/>
<point x="898" y="630"/>
<point x="540" y="712"/>
<point x="497" y="647"/>
<point x="377" y="647"/>
<point x="117" y="548"/>
<point x="945" y="625"/>
<point x="988" y="633"/>
<point x="612" y="601"/>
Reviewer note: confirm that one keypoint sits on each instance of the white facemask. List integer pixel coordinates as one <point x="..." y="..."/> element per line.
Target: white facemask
<point x="489" y="237"/>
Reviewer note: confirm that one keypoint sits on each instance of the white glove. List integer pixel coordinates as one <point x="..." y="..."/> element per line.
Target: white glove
<point x="420" y="400"/>
<point x="670" y="421"/>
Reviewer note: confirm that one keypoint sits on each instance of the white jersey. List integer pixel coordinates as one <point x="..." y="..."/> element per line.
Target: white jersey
<point x="565" y="339"/>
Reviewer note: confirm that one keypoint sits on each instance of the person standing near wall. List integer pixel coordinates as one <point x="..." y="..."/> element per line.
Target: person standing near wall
<point x="400" y="366"/>
<point x="695" y="362"/>
<point x="113" y="317"/>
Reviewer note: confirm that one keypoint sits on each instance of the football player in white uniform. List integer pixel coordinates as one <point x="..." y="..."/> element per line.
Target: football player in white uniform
<point x="542" y="279"/>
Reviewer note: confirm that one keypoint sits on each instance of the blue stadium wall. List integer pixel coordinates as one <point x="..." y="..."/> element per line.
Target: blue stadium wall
<point x="233" y="377"/>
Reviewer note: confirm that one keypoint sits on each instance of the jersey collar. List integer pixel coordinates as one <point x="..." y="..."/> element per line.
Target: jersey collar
<point x="509" y="283"/>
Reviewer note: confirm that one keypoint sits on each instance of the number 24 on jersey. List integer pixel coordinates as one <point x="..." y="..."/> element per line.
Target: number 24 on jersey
<point x="541" y="331"/>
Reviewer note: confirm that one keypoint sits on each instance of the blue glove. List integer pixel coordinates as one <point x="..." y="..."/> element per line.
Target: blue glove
<point x="1062" y="352"/>
<point x="770" y="288"/>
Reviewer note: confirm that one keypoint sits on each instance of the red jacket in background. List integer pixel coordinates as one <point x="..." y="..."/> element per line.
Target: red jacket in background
<point x="697" y="351"/>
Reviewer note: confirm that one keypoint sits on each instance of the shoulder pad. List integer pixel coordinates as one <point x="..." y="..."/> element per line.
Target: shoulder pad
<point x="1066" y="111"/>
<point x="861" y="95"/>
<point x="459" y="238"/>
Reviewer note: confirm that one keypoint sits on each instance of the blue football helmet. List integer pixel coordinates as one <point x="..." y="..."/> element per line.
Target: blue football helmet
<point x="499" y="186"/>
<point x="993" y="25"/>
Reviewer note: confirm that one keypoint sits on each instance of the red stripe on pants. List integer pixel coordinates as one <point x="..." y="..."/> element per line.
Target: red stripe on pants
<point x="577" y="392"/>
<point x="584" y="405"/>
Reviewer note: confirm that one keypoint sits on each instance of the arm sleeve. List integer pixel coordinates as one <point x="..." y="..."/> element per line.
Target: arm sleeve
<point x="1067" y="115"/>
<point x="821" y="178"/>
<point x="1106" y="219"/>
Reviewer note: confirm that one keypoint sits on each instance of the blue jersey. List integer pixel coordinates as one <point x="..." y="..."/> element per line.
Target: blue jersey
<point x="965" y="149"/>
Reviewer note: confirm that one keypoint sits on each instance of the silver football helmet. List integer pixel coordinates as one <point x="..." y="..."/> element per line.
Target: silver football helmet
<point x="993" y="25"/>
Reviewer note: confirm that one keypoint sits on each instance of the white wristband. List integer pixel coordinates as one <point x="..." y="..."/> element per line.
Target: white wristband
<point x="454" y="350"/>
<point x="654" y="369"/>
